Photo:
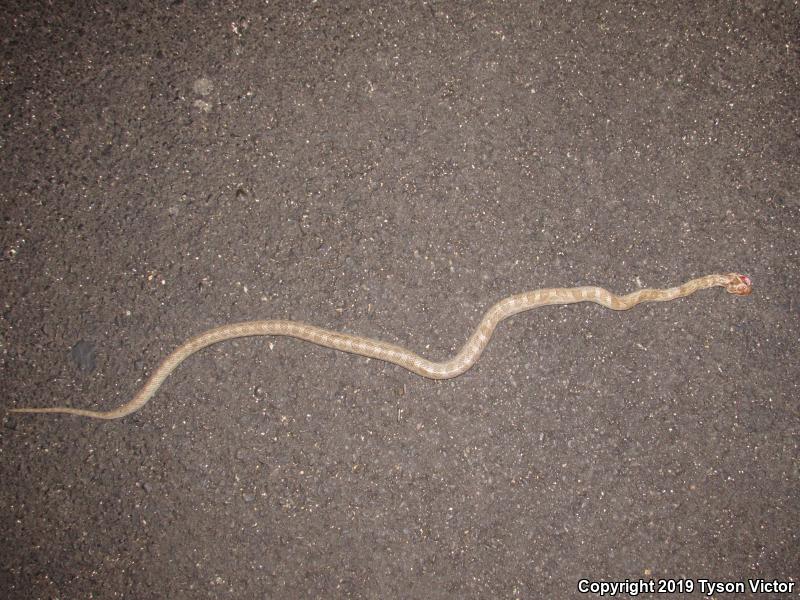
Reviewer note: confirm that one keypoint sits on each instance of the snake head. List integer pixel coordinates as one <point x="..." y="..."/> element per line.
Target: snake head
<point x="739" y="284"/>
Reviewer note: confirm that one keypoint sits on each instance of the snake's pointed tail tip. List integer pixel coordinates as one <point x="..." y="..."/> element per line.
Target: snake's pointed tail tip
<point x="71" y="411"/>
<point x="739" y="284"/>
<point x="30" y="411"/>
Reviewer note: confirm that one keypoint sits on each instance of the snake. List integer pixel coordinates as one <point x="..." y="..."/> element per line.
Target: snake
<point x="733" y="283"/>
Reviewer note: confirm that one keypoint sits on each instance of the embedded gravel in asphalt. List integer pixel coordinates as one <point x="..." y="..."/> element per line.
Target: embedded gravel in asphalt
<point x="392" y="170"/>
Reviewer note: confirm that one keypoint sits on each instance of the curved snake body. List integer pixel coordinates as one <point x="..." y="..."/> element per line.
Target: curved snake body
<point x="461" y="362"/>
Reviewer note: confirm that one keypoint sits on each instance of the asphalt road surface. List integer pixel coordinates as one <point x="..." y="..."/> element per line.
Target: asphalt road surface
<point x="391" y="170"/>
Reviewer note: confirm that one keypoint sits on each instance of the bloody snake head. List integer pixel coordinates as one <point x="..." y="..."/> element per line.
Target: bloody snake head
<point x="739" y="285"/>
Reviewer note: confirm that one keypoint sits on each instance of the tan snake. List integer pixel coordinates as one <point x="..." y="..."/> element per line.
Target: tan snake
<point x="466" y="357"/>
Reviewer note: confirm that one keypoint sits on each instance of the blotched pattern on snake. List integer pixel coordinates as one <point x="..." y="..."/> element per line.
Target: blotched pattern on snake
<point x="462" y="361"/>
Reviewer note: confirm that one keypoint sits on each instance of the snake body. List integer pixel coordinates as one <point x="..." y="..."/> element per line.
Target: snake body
<point x="461" y="362"/>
